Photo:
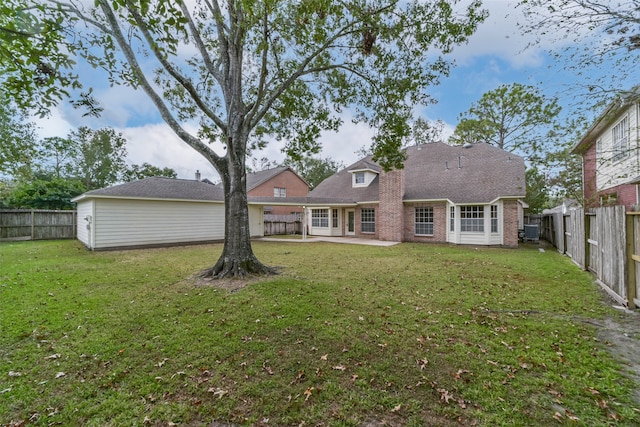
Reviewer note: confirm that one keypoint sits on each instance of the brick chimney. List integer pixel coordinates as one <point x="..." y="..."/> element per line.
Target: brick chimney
<point x="391" y="209"/>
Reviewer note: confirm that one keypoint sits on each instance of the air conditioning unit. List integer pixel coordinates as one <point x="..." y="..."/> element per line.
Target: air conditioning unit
<point x="531" y="232"/>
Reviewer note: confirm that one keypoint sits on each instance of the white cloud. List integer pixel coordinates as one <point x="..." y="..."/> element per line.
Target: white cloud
<point x="159" y="145"/>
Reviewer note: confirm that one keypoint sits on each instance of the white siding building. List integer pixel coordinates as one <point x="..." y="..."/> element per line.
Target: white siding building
<point x="155" y="212"/>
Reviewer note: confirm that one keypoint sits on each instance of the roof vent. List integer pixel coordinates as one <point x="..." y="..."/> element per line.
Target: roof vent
<point x="467" y="145"/>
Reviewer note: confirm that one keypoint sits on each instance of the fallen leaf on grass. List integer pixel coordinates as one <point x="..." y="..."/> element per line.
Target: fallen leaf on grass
<point x="445" y="396"/>
<point x="396" y="408"/>
<point x="15" y="374"/>
<point x="53" y="356"/>
<point x="217" y="391"/>
<point x="422" y="363"/>
<point x="459" y="374"/>
<point x="324" y="357"/>
<point x="60" y="374"/>
<point x="339" y="368"/>
<point x="301" y="375"/>
<point x="307" y="393"/>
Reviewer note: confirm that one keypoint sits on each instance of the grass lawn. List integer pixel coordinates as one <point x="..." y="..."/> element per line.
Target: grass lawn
<point x="346" y="335"/>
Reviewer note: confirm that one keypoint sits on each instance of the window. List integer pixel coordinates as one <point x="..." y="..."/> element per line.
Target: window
<point x="279" y="192"/>
<point x="368" y="220"/>
<point x="424" y="221"/>
<point x="334" y="218"/>
<point x="494" y="218"/>
<point x="452" y="219"/>
<point x="620" y="138"/>
<point x="359" y="177"/>
<point x="320" y="218"/>
<point x="472" y="218"/>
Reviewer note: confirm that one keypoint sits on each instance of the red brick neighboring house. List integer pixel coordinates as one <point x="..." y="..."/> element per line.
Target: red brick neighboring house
<point x="611" y="156"/>
<point x="280" y="183"/>
<point x="459" y="194"/>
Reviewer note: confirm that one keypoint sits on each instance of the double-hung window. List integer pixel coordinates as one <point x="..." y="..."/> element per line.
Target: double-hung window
<point x="279" y="192"/>
<point x="472" y="219"/>
<point x="424" y="221"/>
<point x="368" y="220"/>
<point x="320" y="218"/>
<point x="494" y="218"/>
<point x="620" y="139"/>
<point x="334" y="218"/>
<point x="452" y="218"/>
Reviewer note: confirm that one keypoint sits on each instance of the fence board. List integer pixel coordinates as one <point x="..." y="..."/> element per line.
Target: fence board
<point x="37" y="224"/>
<point x="577" y="248"/>
<point x="599" y="243"/>
<point x="282" y="224"/>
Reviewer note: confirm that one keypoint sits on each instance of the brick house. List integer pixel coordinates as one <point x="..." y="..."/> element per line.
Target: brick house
<point x="280" y="183"/>
<point x="611" y="156"/>
<point x="459" y="194"/>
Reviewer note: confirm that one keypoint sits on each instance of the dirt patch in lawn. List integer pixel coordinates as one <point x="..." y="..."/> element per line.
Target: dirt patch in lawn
<point x="228" y="284"/>
<point x="621" y="335"/>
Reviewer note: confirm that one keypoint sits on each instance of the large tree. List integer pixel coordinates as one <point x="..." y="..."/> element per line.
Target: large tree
<point x="314" y="170"/>
<point x="589" y="35"/>
<point x="516" y="118"/>
<point x="36" y="65"/>
<point x="247" y="71"/>
<point x="135" y="172"/>
<point x="99" y="156"/>
<point x="17" y="141"/>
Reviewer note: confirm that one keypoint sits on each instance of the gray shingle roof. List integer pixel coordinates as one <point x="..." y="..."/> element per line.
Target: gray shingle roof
<point x="160" y="188"/>
<point x="432" y="172"/>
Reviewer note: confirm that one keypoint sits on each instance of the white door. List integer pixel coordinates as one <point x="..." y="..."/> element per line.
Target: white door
<point x="351" y="222"/>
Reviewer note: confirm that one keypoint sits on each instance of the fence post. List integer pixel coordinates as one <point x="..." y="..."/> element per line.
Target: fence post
<point x="631" y="263"/>
<point x="587" y="246"/>
<point x="33" y="225"/>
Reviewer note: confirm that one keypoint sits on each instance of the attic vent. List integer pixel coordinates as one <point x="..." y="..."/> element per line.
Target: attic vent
<point x="467" y="145"/>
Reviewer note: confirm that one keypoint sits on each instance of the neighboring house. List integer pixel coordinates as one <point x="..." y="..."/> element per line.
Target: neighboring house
<point x="155" y="211"/>
<point x="279" y="183"/>
<point x="467" y="194"/>
<point x="610" y="153"/>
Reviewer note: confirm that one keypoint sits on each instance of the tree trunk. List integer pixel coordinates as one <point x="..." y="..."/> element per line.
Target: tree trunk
<point x="237" y="259"/>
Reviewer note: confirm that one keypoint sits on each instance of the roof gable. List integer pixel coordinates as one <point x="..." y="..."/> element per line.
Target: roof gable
<point x="614" y="110"/>
<point x="255" y="179"/>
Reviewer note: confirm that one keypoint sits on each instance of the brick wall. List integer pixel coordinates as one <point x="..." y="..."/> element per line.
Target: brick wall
<point x="510" y="223"/>
<point x="626" y="195"/>
<point x="391" y="217"/>
<point x="286" y="179"/>
<point x="439" y="222"/>
<point x="589" y="186"/>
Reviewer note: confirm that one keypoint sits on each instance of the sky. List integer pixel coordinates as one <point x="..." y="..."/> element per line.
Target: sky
<point x="496" y="54"/>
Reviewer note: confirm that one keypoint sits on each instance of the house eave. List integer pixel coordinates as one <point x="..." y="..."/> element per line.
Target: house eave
<point x="156" y="199"/>
<point x="605" y="119"/>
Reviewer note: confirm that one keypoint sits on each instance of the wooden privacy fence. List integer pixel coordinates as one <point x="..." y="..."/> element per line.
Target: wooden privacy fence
<point x="603" y="241"/>
<point x="37" y="224"/>
<point x="282" y="224"/>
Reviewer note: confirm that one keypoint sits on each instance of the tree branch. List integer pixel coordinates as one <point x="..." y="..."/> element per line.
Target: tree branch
<point x="189" y="139"/>
<point x="182" y="80"/>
